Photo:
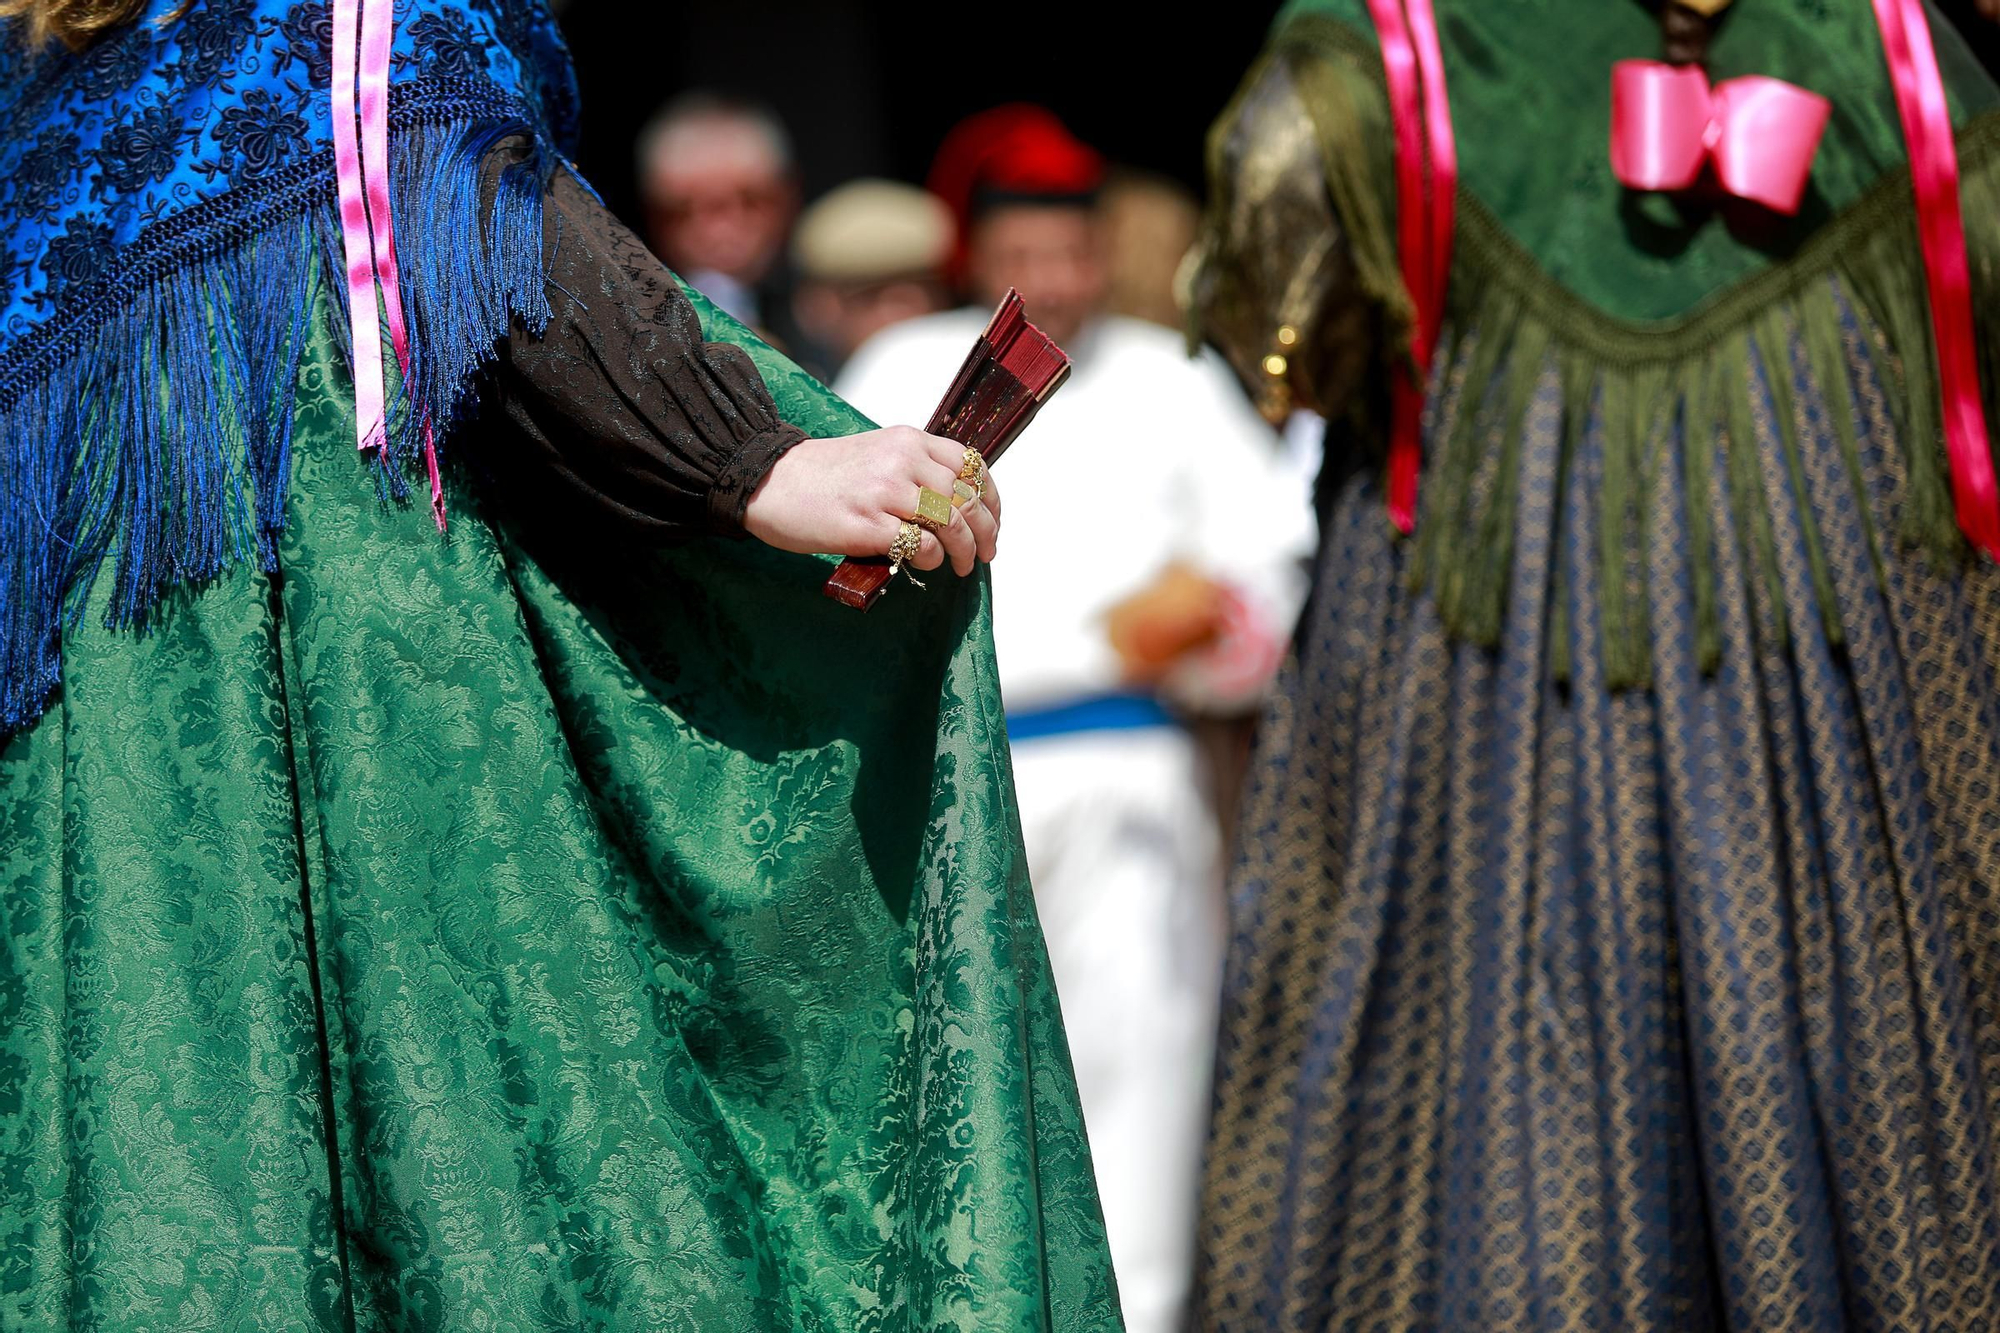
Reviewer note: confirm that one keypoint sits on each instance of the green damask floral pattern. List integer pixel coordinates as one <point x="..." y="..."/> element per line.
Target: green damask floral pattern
<point x="472" y="935"/>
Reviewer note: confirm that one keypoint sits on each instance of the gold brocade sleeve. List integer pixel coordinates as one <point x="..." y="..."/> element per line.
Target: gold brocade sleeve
<point x="1293" y="277"/>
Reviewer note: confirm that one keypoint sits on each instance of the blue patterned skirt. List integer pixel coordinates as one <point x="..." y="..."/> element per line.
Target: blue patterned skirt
<point x="1663" y="1009"/>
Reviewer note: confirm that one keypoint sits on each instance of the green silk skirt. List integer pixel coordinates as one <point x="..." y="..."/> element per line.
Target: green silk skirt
<point x="450" y="934"/>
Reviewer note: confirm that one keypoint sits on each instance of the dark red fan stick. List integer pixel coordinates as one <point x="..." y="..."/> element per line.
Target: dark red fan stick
<point x="1011" y="371"/>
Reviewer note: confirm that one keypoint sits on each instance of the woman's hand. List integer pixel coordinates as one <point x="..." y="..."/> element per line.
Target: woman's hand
<point x="850" y="494"/>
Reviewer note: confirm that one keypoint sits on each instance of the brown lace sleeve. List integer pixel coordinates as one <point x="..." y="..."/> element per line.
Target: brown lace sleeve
<point x="619" y="413"/>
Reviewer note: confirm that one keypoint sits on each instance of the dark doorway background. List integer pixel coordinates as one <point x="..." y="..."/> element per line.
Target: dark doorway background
<point x="1983" y="34"/>
<point x="869" y="87"/>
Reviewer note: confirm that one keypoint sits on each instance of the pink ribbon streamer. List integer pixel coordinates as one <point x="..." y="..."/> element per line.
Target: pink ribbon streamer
<point x="363" y="40"/>
<point x="1761" y="133"/>
<point x="364" y="319"/>
<point x="1426" y="199"/>
<point x="1913" y="69"/>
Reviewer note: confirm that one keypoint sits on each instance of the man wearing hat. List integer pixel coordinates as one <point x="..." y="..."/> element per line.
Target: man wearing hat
<point x="1154" y="559"/>
<point x="869" y="254"/>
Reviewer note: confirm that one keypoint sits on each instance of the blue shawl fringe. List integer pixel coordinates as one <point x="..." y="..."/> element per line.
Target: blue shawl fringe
<point x="154" y="421"/>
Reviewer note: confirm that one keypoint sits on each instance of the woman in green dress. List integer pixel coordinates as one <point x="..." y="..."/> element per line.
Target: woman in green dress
<point x="569" y="920"/>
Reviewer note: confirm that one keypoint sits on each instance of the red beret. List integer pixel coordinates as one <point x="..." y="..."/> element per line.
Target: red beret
<point x="1017" y="151"/>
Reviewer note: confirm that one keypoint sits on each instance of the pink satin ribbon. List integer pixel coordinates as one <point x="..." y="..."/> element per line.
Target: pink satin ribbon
<point x="366" y="29"/>
<point x="1667" y="124"/>
<point x="1913" y="69"/>
<point x="1426" y="196"/>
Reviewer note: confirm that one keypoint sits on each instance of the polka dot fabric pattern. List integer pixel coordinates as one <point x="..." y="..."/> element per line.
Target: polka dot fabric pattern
<point x="1553" y="1007"/>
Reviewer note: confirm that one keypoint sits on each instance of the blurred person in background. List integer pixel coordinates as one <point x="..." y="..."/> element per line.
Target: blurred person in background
<point x="1149" y="225"/>
<point x="869" y="254"/>
<point x="720" y="189"/>
<point x="1155" y="557"/>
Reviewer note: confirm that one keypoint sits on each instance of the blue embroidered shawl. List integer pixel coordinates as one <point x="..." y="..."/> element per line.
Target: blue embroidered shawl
<point x="170" y="221"/>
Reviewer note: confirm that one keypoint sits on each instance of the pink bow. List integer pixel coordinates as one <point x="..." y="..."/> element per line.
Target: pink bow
<point x="1667" y="124"/>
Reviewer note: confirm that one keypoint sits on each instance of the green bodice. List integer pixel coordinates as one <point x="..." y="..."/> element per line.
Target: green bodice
<point x="1530" y="89"/>
<point x="1663" y="321"/>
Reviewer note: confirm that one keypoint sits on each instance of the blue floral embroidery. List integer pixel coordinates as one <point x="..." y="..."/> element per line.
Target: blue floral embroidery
<point x="171" y="113"/>
<point x="448" y="47"/>
<point x="209" y="38"/>
<point x="258" y="136"/>
<point x="142" y="151"/>
<point x="82" y="252"/>
<point x="44" y="177"/>
<point x="112" y="66"/>
<point x="523" y="31"/>
<point x="308" y="37"/>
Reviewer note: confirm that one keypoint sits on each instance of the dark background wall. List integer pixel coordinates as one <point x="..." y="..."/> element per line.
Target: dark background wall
<point x="871" y="87"/>
<point x="1983" y="34"/>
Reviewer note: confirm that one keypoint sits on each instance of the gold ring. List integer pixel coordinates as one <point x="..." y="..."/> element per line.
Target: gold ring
<point x="933" y="510"/>
<point x="909" y="538"/>
<point x="973" y="469"/>
<point x="962" y="493"/>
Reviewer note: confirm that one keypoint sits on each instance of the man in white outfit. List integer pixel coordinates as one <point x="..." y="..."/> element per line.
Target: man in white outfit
<point x="1155" y="549"/>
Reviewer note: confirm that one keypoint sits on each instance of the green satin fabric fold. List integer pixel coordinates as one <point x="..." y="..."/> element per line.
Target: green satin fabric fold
<point x="1530" y="86"/>
<point x="470" y="934"/>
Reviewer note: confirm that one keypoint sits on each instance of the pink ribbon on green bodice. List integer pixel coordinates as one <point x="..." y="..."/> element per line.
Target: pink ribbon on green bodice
<point x="1426" y="197"/>
<point x="363" y="38"/>
<point x="1920" y="101"/>
<point x="1760" y="133"/>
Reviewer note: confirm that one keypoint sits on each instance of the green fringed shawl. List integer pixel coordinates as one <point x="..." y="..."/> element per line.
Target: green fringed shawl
<point x="1653" y="314"/>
